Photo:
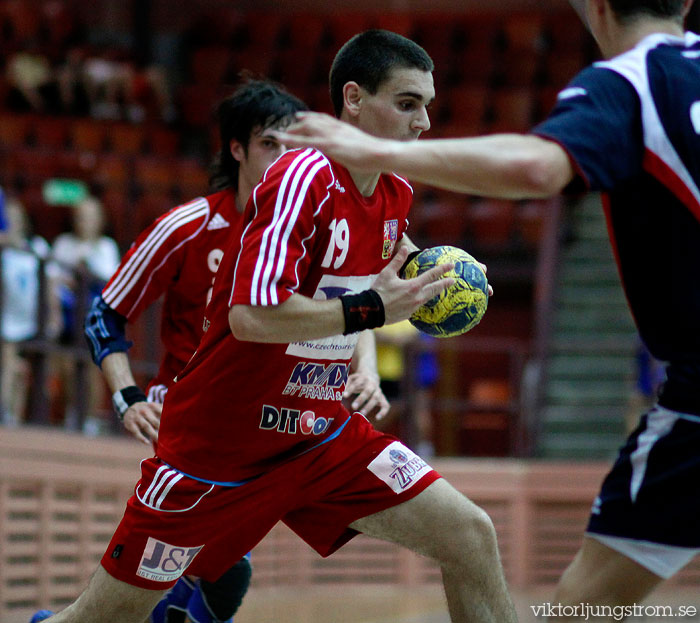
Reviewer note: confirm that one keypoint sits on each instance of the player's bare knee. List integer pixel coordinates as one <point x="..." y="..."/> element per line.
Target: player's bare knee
<point x="470" y="542"/>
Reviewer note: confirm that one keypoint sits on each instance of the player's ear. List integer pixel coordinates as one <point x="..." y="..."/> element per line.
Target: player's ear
<point x="352" y="98"/>
<point x="237" y="150"/>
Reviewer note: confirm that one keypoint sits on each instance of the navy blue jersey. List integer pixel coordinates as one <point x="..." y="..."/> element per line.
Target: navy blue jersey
<point x="631" y="126"/>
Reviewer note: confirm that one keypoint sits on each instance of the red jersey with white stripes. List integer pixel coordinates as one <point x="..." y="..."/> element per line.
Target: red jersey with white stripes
<point x="178" y="255"/>
<point x="240" y="407"/>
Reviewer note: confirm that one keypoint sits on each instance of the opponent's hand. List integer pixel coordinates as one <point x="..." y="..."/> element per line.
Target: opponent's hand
<point x="401" y="297"/>
<point x="369" y="394"/>
<point x="142" y="420"/>
<point x="338" y="140"/>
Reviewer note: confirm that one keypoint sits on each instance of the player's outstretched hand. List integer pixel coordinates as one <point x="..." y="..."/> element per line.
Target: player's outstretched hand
<point x="367" y="394"/>
<point x="142" y="420"/>
<point x="337" y="139"/>
<point x="401" y="297"/>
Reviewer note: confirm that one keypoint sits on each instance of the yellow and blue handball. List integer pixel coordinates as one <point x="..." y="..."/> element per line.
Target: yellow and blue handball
<point x="458" y="308"/>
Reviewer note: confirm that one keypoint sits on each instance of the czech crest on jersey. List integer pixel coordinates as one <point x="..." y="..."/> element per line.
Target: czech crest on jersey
<point x="391" y="230"/>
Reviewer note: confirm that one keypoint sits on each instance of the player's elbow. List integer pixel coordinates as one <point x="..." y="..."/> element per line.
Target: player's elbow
<point x="545" y="172"/>
<point x="242" y="323"/>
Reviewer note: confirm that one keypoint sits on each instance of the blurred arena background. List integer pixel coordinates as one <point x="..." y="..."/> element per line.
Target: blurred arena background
<point x="115" y="98"/>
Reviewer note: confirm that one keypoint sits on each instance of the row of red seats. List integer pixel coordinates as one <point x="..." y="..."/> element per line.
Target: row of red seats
<point x="435" y="30"/>
<point x="491" y="225"/>
<point x="86" y="135"/>
<point x="28" y="165"/>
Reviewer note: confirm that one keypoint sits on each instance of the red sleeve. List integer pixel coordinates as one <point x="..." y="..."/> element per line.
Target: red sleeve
<point x="278" y="240"/>
<point x="154" y="260"/>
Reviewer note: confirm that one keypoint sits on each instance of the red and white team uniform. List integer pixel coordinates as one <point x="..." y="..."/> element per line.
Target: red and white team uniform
<point x="307" y="230"/>
<point x="253" y="433"/>
<point x="178" y="254"/>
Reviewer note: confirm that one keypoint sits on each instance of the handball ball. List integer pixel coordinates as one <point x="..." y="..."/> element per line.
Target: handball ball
<point x="461" y="306"/>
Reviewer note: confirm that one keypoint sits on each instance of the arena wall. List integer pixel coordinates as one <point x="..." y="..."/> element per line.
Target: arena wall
<point x="61" y="496"/>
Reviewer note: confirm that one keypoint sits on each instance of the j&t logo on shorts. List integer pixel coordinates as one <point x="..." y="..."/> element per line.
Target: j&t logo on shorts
<point x="162" y="562"/>
<point x="292" y="421"/>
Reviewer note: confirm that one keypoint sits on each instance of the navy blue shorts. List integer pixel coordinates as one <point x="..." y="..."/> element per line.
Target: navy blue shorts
<point x="652" y="493"/>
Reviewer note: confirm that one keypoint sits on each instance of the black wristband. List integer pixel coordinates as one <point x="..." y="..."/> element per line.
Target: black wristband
<point x="411" y="255"/>
<point x="124" y="398"/>
<point x="362" y="311"/>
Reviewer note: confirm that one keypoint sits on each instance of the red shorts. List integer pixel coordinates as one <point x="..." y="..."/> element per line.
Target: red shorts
<point x="174" y="523"/>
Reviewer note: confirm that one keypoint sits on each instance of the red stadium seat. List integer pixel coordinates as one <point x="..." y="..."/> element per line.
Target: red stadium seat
<point x="209" y="65"/>
<point x="154" y="174"/>
<point x="263" y="29"/>
<point x="118" y="212"/>
<point x="560" y="67"/>
<point x="318" y="98"/>
<point x="197" y="104"/>
<point x="22" y="18"/>
<point x="112" y="171"/>
<point x="294" y="70"/>
<point x="519" y="68"/>
<point x="524" y="32"/>
<point x="162" y="141"/>
<point x="149" y="207"/>
<point x="35" y="165"/>
<point x="491" y="223"/>
<point x="512" y="110"/>
<point x="305" y="32"/>
<point x="255" y="59"/>
<point x="192" y="178"/>
<point x="530" y="221"/>
<point x="126" y="138"/>
<point x="343" y="26"/>
<point x="401" y="23"/>
<point x="440" y="219"/>
<point x="545" y="99"/>
<point x="88" y="135"/>
<point x="566" y="33"/>
<point x="464" y="108"/>
<point x="50" y="132"/>
<point x="14" y="129"/>
<point x="485" y="427"/>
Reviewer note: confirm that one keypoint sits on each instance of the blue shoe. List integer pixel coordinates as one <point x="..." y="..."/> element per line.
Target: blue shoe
<point x="42" y="615"/>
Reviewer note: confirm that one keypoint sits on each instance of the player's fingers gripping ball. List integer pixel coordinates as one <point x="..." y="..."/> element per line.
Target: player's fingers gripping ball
<point x="456" y="309"/>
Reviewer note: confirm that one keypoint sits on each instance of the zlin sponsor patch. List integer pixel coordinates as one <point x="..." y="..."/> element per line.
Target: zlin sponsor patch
<point x="399" y="467"/>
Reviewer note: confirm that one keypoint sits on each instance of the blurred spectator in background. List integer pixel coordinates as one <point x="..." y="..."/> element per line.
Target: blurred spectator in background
<point x="21" y="255"/>
<point x="31" y="82"/>
<point x="119" y="88"/>
<point x="106" y="81"/>
<point x="70" y="77"/>
<point x="86" y="259"/>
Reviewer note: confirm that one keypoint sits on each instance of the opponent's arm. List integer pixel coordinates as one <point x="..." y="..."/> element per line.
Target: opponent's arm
<point x="302" y="318"/>
<point x="104" y="331"/>
<point x="500" y="165"/>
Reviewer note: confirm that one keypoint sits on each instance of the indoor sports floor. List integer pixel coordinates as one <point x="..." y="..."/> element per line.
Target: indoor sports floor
<point x="382" y="604"/>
